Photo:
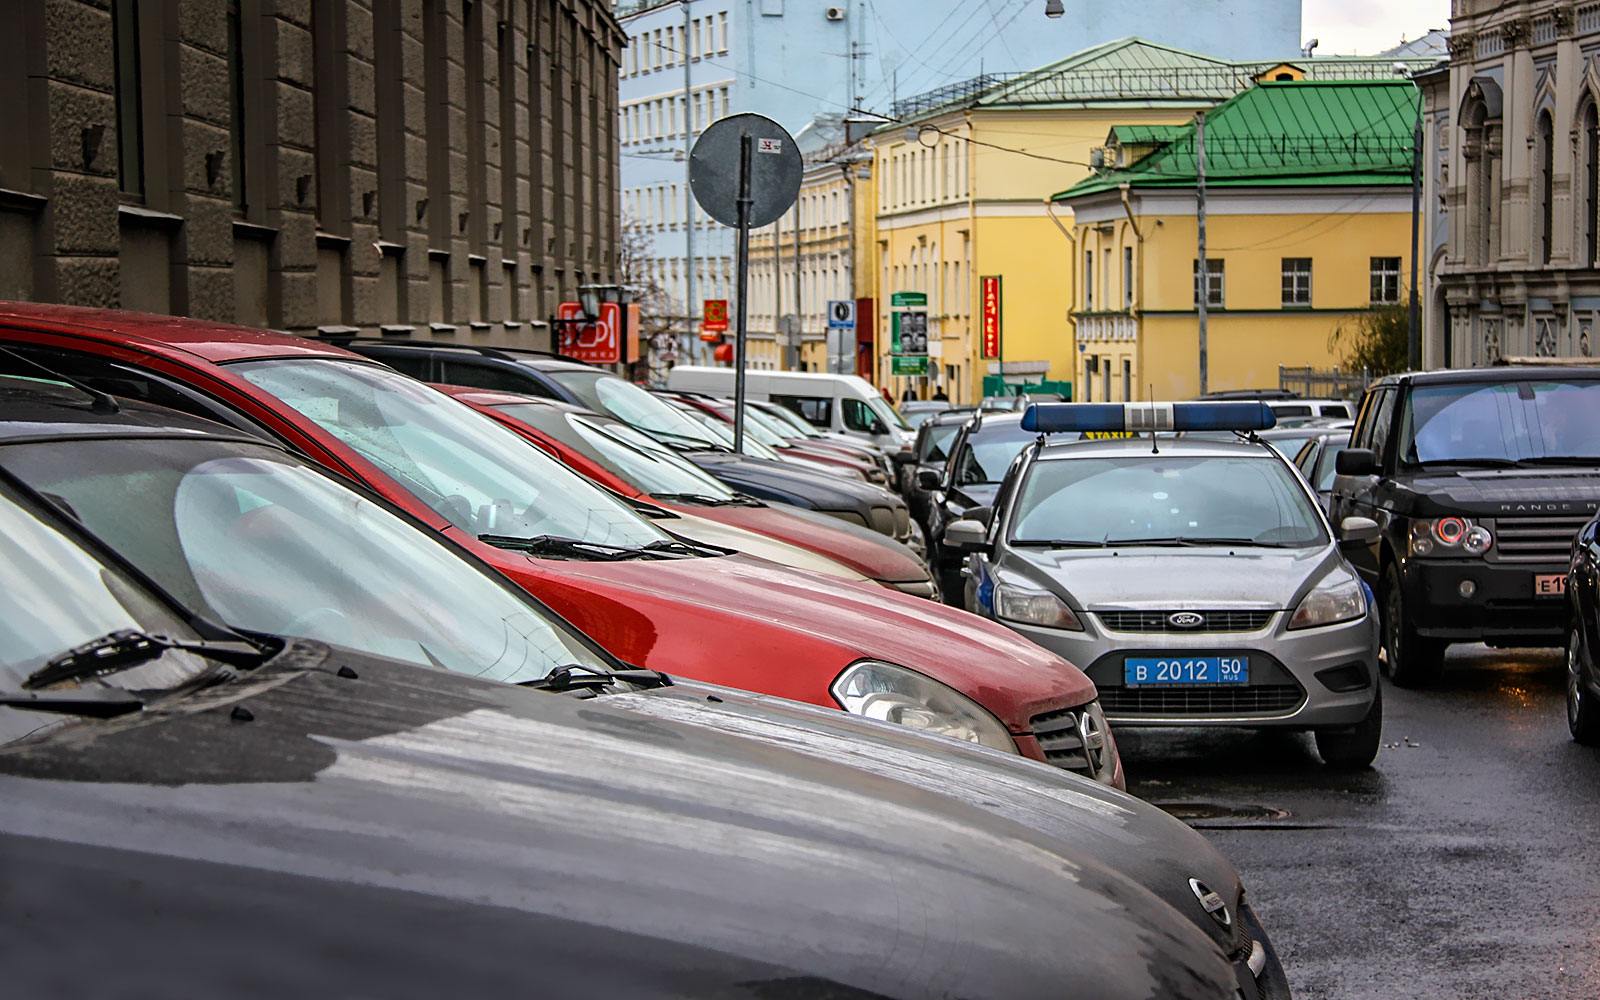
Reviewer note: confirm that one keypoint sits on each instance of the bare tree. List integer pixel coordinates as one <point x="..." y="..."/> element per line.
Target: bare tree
<point x="656" y="315"/>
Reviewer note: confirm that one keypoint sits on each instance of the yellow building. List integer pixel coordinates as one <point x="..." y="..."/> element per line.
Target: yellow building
<point x="1308" y="225"/>
<point x="963" y="186"/>
<point x="816" y="254"/>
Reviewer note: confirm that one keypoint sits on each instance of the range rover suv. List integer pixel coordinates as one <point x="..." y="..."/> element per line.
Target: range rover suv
<point x="1479" y="480"/>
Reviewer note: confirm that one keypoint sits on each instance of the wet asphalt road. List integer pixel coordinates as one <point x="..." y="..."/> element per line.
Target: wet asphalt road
<point x="1466" y="863"/>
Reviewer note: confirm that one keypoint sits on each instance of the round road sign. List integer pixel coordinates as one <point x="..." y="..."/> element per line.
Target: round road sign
<point x="775" y="170"/>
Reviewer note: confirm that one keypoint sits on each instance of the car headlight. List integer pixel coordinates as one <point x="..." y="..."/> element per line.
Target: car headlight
<point x="1335" y="600"/>
<point x="1034" y="607"/>
<point x="1449" y="535"/>
<point x="883" y="691"/>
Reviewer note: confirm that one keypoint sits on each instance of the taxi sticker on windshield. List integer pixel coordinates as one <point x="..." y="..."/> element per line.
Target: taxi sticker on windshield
<point x="1105" y="435"/>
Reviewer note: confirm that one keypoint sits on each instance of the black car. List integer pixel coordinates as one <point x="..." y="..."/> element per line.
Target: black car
<point x="224" y="812"/>
<point x="929" y="452"/>
<point x="1479" y="480"/>
<point x="1583" y="638"/>
<point x="982" y="451"/>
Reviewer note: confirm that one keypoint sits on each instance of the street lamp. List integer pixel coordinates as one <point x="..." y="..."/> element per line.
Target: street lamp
<point x="1053" y="8"/>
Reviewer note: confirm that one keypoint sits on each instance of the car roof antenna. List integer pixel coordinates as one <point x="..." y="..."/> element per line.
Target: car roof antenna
<point x="1154" y="448"/>
<point x="100" y="402"/>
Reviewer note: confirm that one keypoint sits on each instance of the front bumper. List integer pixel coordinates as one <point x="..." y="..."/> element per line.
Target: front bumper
<point x="1284" y="687"/>
<point x="1502" y="608"/>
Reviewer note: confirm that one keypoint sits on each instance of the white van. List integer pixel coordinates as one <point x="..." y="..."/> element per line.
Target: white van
<point x="844" y="404"/>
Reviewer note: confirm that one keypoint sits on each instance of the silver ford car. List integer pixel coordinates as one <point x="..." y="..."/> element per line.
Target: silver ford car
<point x="1197" y="582"/>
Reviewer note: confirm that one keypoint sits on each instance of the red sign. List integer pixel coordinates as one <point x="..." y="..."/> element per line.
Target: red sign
<point x="989" y="291"/>
<point x="716" y="316"/>
<point x="599" y="342"/>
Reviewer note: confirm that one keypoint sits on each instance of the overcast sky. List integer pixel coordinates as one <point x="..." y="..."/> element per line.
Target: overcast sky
<point x="1367" y="26"/>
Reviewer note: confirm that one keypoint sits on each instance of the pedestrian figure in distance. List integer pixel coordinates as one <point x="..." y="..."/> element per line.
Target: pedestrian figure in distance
<point x="939" y="395"/>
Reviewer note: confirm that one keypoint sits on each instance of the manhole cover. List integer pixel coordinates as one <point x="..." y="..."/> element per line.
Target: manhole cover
<point x="1217" y="814"/>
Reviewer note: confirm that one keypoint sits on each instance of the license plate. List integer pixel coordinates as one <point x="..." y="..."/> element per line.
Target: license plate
<point x="1549" y="584"/>
<point x="1186" y="670"/>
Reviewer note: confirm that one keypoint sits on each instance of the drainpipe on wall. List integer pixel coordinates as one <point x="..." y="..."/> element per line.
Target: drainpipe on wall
<point x="1050" y="210"/>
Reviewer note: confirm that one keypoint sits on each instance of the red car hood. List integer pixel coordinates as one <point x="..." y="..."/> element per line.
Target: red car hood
<point x="751" y="624"/>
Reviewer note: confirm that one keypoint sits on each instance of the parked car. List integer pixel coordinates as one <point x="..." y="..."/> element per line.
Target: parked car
<point x="1583" y="636"/>
<point x="1316" y="460"/>
<point x="983" y="449"/>
<point x="915" y="411"/>
<point x="760" y="426"/>
<point x="633" y="464"/>
<point x="221" y="815"/>
<point x="1479" y="479"/>
<point x="929" y="453"/>
<point x="1287" y="405"/>
<point x="1017" y="402"/>
<point x="842" y="404"/>
<point x="1287" y="440"/>
<point x="1198" y="581"/>
<point x="653" y="600"/>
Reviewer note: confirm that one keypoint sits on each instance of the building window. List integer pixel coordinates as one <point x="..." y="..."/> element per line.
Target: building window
<point x="1216" y="281"/>
<point x="236" y="99"/>
<point x="1297" y="281"/>
<point x="1545" y="164"/>
<point x="1385" y="280"/>
<point x="722" y="32"/>
<point x="1591" y="184"/>
<point x="1127" y="277"/>
<point x="1127" y="380"/>
<point x="130" y="125"/>
<point x="1090" y="363"/>
<point x="1088" y="281"/>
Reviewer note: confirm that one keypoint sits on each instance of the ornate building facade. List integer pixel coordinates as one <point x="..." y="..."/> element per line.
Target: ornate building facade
<point x="1513" y="184"/>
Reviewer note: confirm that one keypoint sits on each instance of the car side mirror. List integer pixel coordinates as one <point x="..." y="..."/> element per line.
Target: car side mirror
<point x="1357" y="532"/>
<point x="928" y="479"/>
<point x="966" y="535"/>
<point x="878" y="427"/>
<point x="983" y="515"/>
<point x="1356" y="462"/>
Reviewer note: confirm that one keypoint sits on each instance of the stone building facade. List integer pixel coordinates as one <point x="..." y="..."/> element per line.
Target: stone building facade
<point x="442" y="167"/>
<point x="1513" y="179"/>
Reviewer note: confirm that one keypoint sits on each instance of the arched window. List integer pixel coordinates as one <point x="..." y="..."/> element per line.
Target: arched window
<point x="1545" y="165"/>
<point x="1589" y="207"/>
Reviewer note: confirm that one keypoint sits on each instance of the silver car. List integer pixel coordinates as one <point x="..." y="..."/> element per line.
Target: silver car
<point x="1197" y="582"/>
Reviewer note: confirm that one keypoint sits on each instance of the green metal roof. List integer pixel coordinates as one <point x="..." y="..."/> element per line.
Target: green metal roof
<point x="1286" y="134"/>
<point x="1146" y="135"/>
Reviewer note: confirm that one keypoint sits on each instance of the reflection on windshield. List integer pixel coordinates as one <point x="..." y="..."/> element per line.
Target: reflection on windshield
<point x="985" y="457"/>
<point x="888" y="414"/>
<point x="1109" y="500"/>
<point x="630" y="404"/>
<point x="640" y="460"/>
<point x="796" y="426"/>
<point x="57" y="596"/>
<point x="480" y="476"/>
<point x="265" y="544"/>
<point x="1507" y="422"/>
<point x="723" y="432"/>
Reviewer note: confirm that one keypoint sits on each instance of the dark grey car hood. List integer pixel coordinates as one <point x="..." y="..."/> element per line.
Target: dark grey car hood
<point x="411" y="833"/>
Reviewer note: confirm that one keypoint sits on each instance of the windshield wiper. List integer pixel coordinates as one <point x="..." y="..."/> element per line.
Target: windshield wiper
<point x="697" y="498"/>
<point x="576" y="676"/>
<point x="1575" y="460"/>
<point x="684" y="442"/>
<point x="127" y="648"/>
<point x="1192" y="541"/>
<point x="96" y="703"/>
<point x="558" y="545"/>
<point x="1056" y="543"/>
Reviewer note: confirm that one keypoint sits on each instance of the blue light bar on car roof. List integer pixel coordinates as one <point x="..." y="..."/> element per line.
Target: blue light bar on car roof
<point x="1062" y="418"/>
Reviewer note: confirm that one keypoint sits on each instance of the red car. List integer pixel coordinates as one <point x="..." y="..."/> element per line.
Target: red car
<point x="651" y="599"/>
<point x="628" y="462"/>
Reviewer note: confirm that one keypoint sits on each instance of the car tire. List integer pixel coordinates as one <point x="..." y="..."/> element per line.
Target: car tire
<point x="1353" y="747"/>
<point x="1583" y="715"/>
<point x="1411" y="660"/>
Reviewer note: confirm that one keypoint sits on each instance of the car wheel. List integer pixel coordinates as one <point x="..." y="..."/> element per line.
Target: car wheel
<point x="1583" y="715"/>
<point x="1355" y="746"/>
<point x="1412" y="660"/>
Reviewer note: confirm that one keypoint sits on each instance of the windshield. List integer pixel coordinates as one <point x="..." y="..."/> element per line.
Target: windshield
<point x="886" y="413"/>
<point x="58" y="595"/>
<point x="1159" y="498"/>
<point x="643" y="462"/>
<point x="722" y="431"/>
<point x="988" y="452"/>
<point x="793" y="423"/>
<point x="757" y="427"/>
<point x="263" y="543"/>
<point x="1327" y="467"/>
<point x="632" y="405"/>
<point x="1289" y="447"/>
<point x="936" y="442"/>
<point x="481" y="477"/>
<point x="1505" y="422"/>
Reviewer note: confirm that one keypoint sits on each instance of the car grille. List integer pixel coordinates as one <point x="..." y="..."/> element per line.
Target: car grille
<point x="1534" y="539"/>
<point x="1264" y="699"/>
<point x="1157" y="621"/>
<point x="1061" y="739"/>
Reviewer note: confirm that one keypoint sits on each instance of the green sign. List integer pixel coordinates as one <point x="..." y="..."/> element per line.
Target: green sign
<point x="908" y="366"/>
<point x="899" y="299"/>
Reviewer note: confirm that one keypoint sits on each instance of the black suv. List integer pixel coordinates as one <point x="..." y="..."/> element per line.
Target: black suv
<point x="1479" y="480"/>
<point x="531" y="373"/>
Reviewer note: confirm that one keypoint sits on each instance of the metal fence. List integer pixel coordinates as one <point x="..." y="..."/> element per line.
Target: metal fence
<point x="1324" y="383"/>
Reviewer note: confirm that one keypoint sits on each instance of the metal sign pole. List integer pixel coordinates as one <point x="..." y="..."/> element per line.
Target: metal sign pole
<point x="746" y="145"/>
